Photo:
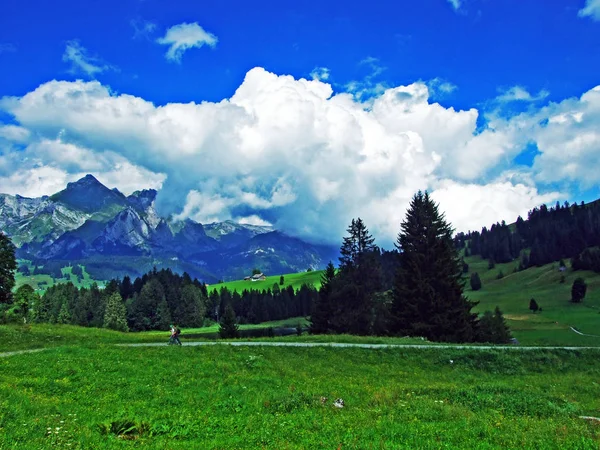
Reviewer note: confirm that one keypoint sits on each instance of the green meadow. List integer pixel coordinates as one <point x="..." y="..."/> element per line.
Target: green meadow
<point x="296" y="280"/>
<point x="86" y="391"/>
<point x="551" y="326"/>
<point x="41" y="282"/>
<point x="93" y="394"/>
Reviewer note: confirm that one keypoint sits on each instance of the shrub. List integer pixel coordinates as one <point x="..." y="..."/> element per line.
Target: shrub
<point x="578" y="290"/>
<point x="533" y="306"/>
<point x="475" y="281"/>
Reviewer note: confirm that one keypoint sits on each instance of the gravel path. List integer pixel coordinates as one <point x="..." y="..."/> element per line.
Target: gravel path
<point x="20" y="352"/>
<point x="371" y="346"/>
<point x="328" y="344"/>
<point x="583" y="334"/>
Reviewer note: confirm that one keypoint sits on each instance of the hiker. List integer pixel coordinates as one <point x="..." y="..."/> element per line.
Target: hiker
<point x="175" y="332"/>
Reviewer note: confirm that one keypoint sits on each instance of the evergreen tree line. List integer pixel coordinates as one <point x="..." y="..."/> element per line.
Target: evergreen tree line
<point x="159" y="298"/>
<point x="567" y="231"/>
<point x="425" y="298"/>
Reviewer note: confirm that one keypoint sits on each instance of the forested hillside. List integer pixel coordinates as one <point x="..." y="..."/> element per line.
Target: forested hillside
<point x="547" y="235"/>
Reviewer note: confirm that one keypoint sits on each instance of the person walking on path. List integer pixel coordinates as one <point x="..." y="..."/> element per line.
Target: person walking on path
<point x="175" y="332"/>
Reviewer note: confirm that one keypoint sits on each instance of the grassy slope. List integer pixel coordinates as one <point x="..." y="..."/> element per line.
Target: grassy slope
<point x="41" y="282"/>
<point x="20" y="337"/>
<point x="270" y="398"/>
<point x="550" y="327"/>
<point x="291" y="279"/>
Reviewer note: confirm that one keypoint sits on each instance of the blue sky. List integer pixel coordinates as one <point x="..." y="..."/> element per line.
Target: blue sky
<point x="489" y="104"/>
<point x="482" y="46"/>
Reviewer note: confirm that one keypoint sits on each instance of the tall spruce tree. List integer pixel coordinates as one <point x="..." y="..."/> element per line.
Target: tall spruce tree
<point x="322" y="310"/>
<point x="149" y="309"/>
<point x="190" y="310"/>
<point x="8" y="265"/>
<point x="228" y="327"/>
<point x="428" y="298"/>
<point x="359" y="278"/>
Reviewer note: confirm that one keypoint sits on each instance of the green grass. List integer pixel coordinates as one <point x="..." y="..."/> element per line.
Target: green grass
<point x="21" y="337"/>
<point x="551" y="326"/>
<point x="296" y="280"/>
<point x="220" y="397"/>
<point x="41" y="282"/>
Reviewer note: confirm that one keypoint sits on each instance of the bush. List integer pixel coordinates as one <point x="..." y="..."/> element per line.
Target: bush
<point x="533" y="306"/>
<point x="493" y="328"/>
<point x="475" y="281"/>
<point x="578" y="290"/>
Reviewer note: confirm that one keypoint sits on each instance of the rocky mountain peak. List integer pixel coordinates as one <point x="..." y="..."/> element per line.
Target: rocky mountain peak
<point x="89" y="195"/>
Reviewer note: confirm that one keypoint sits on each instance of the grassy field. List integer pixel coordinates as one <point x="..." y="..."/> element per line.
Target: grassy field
<point x="551" y="326"/>
<point x="21" y="337"/>
<point x="292" y="322"/>
<point x="290" y="279"/>
<point x="218" y="397"/>
<point x="41" y="282"/>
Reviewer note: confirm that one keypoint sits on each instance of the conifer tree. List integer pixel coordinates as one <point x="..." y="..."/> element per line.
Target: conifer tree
<point x="24" y="299"/>
<point x="492" y="328"/>
<point x="533" y="306"/>
<point x="358" y="279"/>
<point x="42" y="309"/>
<point x="475" y="281"/>
<point x="578" y="290"/>
<point x="228" y="327"/>
<point x="64" y="316"/>
<point x="8" y="265"/>
<point x="428" y="291"/>
<point x="322" y="310"/>
<point x="149" y="309"/>
<point x="191" y="307"/>
<point x="115" y="316"/>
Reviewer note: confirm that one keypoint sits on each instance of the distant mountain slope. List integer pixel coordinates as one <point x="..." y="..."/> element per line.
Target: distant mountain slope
<point x="28" y="220"/>
<point x="232" y="234"/>
<point x="113" y="234"/>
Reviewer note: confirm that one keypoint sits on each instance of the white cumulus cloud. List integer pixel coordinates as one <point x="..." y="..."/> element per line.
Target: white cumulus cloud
<point x="468" y="205"/>
<point x="292" y="153"/>
<point x="521" y="94"/>
<point x="185" y="36"/>
<point x="320" y="73"/>
<point x="591" y="9"/>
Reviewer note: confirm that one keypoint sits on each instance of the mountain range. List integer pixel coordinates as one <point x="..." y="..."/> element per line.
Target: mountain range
<point x="114" y="235"/>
